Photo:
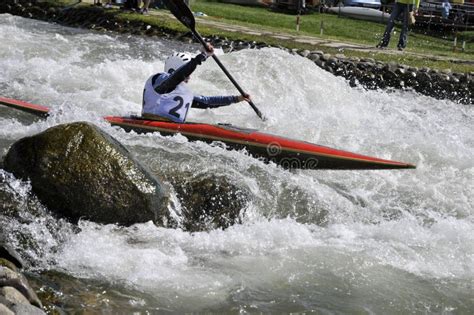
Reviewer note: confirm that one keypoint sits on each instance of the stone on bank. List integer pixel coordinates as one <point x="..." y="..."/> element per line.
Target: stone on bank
<point x="368" y="73"/>
<point x="16" y="294"/>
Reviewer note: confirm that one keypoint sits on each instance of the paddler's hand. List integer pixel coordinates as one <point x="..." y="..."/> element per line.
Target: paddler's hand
<point x="245" y="97"/>
<point x="208" y="51"/>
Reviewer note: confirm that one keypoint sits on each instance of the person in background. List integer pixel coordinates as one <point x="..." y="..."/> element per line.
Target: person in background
<point x="108" y="4"/>
<point x="401" y="9"/>
<point x="446" y="8"/>
<point x="131" y="5"/>
<point x="166" y="96"/>
<point x="144" y="9"/>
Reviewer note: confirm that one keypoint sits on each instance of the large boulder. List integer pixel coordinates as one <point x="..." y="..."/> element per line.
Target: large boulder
<point x="79" y="171"/>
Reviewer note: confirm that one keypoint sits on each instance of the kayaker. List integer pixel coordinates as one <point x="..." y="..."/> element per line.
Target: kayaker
<point x="166" y="95"/>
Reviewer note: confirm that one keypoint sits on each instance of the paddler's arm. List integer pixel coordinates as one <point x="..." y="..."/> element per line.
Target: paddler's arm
<point x="217" y="101"/>
<point x="171" y="82"/>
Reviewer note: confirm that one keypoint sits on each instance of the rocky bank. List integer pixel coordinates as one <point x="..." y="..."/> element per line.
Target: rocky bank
<point x="16" y="294"/>
<point x="368" y="73"/>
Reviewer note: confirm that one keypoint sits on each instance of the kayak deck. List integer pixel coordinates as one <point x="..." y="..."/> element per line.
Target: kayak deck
<point x="285" y="152"/>
<point x="288" y="153"/>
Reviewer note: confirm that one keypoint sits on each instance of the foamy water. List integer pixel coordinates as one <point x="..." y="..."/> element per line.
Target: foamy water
<point x="336" y="241"/>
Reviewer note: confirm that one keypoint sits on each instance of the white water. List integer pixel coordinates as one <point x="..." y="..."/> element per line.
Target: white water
<point x="337" y="241"/>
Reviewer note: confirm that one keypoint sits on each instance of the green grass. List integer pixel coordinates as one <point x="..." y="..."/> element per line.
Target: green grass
<point x="335" y="28"/>
<point x="310" y="24"/>
<point x="343" y="29"/>
<point x="60" y="2"/>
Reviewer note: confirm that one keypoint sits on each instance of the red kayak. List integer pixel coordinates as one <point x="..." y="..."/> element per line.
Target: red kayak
<point x="288" y="153"/>
<point x="38" y="110"/>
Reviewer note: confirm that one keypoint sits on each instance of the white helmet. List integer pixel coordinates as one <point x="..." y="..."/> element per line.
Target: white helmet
<point x="175" y="61"/>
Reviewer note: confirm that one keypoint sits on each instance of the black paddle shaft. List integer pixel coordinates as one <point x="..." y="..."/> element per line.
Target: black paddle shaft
<point x="182" y="12"/>
<point x="231" y="78"/>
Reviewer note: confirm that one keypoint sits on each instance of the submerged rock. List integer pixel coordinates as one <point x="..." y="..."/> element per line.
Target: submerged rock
<point x="79" y="171"/>
<point x="210" y="201"/>
<point x="16" y="203"/>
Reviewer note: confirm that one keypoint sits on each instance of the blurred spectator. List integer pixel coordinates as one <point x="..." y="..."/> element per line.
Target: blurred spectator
<point x="158" y="4"/>
<point x="401" y="9"/>
<point x="131" y="5"/>
<point x="446" y="8"/>
<point x="144" y="9"/>
<point x="108" y="4"/>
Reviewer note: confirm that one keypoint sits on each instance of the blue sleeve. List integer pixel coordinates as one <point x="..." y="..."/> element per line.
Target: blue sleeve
<point x="213" y="101"/>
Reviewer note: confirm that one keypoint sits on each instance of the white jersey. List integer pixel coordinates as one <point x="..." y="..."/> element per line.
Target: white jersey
<point x="173" y="105"/>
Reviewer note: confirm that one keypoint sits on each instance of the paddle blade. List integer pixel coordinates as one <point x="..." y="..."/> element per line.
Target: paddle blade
<point x="182" y="12"/>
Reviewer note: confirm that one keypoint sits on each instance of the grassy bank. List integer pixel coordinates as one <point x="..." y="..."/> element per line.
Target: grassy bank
<point x="334" y="27"/>
<point x="345" y="30"/>
<point x="422" y="51"/>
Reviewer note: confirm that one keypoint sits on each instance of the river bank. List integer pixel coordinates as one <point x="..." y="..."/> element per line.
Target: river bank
<point x="366" y="72"/>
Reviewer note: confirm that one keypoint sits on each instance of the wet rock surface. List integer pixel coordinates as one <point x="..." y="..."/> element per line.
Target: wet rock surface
<point x="79" y="171"/>
<point x="8" y="256"/>
<point x="209" y="201"/>
<point x="16" y="294"/>
<point x="368" y="73"/>
<point x="61" y="293"/>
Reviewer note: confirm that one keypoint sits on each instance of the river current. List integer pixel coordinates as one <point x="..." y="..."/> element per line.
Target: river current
<point x="391" y="241"/>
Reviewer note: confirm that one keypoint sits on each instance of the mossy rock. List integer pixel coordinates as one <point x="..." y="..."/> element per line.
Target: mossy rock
<point x="79" y="171"/>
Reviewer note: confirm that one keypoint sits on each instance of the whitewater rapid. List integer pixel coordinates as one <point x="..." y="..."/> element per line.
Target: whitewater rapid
<point x="330" y="241"/>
